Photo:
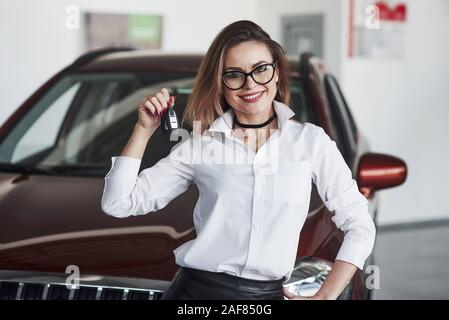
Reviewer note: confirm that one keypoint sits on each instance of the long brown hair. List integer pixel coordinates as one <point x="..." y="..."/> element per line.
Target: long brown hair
<point x="206" y="102"/>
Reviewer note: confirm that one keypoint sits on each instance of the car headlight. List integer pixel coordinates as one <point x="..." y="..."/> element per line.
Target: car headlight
<point x="308" y="275"/>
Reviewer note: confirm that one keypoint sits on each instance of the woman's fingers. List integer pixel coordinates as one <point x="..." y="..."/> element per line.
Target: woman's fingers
<point x="150" y="107"/>
<point x="159" y="103"/>
<point x="166" y="93"/>
<point x="156" y="104"/>
<point x="287" y="293"/>
<point x="162" y="100"/>
<point x="146" y="105"/>
<point x="292" y="296"/>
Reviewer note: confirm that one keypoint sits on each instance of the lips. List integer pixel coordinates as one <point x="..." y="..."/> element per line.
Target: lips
<point x="252" y="96"/>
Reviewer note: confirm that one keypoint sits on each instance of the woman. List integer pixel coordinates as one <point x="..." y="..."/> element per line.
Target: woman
<point x="250" y="212"/>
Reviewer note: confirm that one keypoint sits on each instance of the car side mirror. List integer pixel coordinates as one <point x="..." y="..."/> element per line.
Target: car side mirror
<point x="379" y="171"/>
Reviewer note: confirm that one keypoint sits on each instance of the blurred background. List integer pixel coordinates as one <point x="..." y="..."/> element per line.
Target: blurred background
<point x="391" y="59"/>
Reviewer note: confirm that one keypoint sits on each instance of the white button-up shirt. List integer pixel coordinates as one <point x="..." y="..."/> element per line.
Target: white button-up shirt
<point x="252" y="205"/>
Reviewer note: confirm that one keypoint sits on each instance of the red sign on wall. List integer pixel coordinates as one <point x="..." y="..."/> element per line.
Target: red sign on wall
<point x="377" y="29"/>
<point x="396" y="13"/>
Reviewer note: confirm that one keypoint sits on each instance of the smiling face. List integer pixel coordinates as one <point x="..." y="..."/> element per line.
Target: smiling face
<point x="252" y="98"/>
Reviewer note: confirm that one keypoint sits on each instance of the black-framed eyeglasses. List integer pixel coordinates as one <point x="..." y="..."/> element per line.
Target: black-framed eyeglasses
<point x="262" y="74"/>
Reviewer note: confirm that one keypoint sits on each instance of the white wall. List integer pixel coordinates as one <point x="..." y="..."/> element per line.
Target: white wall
<point x="36" y="43"/>
<point x="403" y="107"/>
<point x="269" y="17"/>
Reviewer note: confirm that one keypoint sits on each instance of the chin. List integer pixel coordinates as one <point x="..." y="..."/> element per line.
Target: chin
<point x="251" y="108"/>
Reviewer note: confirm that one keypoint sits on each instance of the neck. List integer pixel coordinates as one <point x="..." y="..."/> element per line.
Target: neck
<point x="255" y="119"/>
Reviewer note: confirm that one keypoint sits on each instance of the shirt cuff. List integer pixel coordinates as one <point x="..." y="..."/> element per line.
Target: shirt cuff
<point x="124" y="167"/>
<point x="353" y="252"/>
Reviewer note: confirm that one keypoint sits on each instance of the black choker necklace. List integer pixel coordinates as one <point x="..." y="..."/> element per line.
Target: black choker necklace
<point x="254" y="125"/>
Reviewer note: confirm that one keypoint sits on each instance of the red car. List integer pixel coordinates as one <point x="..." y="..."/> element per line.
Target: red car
<point x="55" y="151"/>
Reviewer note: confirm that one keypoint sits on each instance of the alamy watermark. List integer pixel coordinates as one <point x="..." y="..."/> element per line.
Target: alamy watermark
<point x="204" y="149"/>
<point x="372" y="281"/>
<point x="72" y="19"/>
<point x="372" y="21"/>
<point x="72" y="282"/>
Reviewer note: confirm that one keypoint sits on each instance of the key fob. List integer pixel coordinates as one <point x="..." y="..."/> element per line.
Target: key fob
<point x="169" y="120"/>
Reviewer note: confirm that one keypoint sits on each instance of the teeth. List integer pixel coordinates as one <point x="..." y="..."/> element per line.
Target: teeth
<point x="252" y="96"/>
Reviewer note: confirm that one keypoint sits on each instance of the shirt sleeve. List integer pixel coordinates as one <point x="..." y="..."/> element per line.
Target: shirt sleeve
<point x="341" y="195"/>
<point x="129" y="193"/>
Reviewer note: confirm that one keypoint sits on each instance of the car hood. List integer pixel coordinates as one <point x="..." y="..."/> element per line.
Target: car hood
<point x="51" y="222"/>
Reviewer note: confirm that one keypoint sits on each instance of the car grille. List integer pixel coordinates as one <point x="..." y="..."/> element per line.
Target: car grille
<point x="12" y="290"/>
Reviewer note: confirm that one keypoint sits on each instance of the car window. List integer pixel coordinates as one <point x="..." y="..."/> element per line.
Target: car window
<point x="85" y="119"/>
<point x="33" y="141"/>
<point x="343" y="121"/>
<point x="298" y="102"/>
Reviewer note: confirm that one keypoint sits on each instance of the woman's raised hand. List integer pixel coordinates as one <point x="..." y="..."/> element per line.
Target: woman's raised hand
<point x="152" y="108"/>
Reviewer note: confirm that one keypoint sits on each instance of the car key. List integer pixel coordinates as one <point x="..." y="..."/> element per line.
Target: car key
<point x="169" y="120"/>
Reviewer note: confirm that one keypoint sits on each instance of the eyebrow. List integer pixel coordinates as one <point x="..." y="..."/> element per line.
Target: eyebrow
<point x="254" y="65"/>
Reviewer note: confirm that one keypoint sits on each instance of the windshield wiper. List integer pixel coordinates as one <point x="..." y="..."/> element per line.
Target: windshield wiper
<point x="78" y="170"/>
<point x="28" y="169"/>
<point x="63" y="169"/>
<point x="73" y="167"/>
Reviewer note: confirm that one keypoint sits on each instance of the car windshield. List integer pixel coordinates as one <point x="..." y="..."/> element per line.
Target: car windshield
<point x="85" y="119"/>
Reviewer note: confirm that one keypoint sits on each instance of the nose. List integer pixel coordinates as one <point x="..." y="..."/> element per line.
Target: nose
<point x="250" y="83"/>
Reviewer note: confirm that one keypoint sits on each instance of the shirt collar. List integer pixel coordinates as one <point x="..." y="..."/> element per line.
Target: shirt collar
<point x="225" y="122"/>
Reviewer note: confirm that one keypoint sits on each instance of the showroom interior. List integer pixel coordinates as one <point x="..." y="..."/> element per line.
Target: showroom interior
<point x="390" y="58"/>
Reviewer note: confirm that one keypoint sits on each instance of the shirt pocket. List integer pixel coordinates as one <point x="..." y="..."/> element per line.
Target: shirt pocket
<point x="292" y="181"/>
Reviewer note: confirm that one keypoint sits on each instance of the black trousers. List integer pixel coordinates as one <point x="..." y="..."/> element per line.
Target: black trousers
<point x="193" y="284"/>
